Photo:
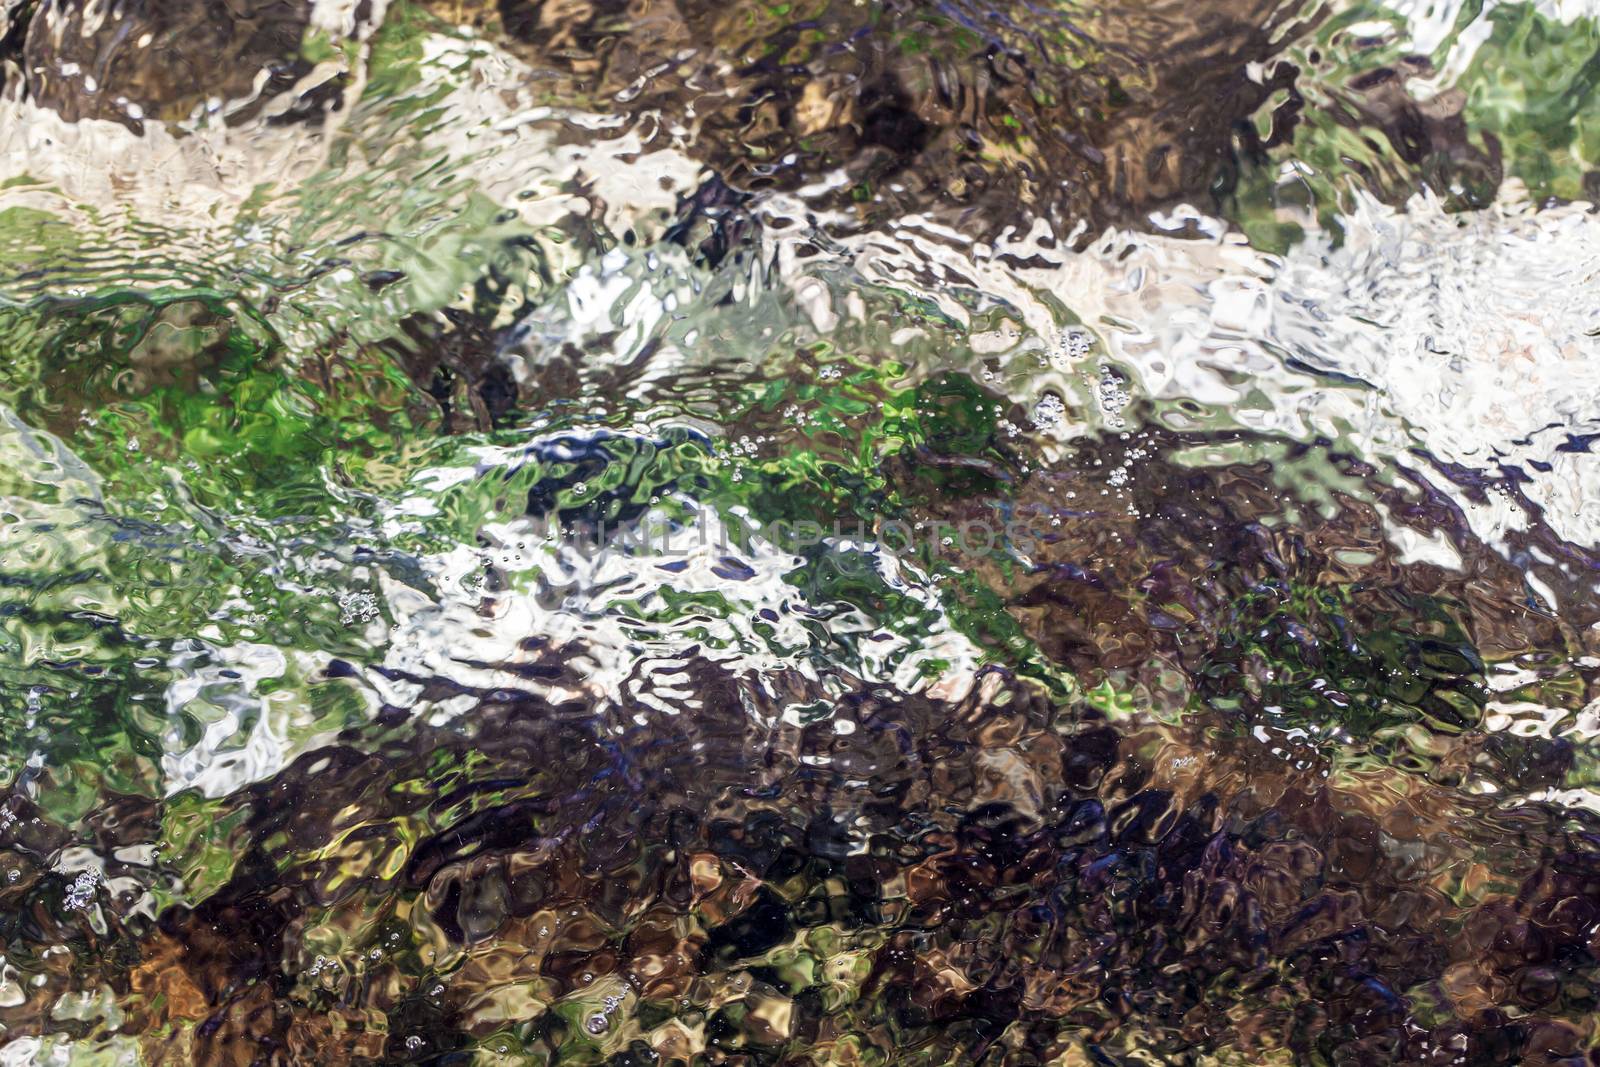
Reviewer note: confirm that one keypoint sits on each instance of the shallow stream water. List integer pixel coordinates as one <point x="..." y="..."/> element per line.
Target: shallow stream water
<point x="837" y="532"/>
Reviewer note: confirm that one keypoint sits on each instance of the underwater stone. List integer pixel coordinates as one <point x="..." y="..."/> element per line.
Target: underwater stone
<point x="139" y="59"/>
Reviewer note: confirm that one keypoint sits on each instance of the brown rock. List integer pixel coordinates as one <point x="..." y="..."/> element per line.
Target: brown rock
<point x="130" y="60"/>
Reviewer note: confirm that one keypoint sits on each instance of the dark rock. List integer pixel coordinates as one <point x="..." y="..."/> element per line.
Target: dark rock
<point x="1076" y="113"/>
<point x="455" y="359"/>
<point x="132" y="60"/>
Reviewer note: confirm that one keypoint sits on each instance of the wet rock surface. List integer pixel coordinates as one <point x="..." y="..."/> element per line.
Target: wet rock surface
<point x="129" y="61"/>
<point x="1077" y="113"/>
<point x="352" y="717"/>
<point x="1325" y="855"/>
<point x="981" y="879"/>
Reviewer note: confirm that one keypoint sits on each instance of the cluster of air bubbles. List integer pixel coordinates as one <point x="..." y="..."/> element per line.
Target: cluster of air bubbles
<point x="831" y="372"/>
<point x="1049" y="412"/>
<point x="746" y="445"/>
<point x="322" y="965"/>
<point x="81" y="892"/>
<point x="1122" y="474"/>
<point x="1072" y="346"/>
<point x="1112" y="391"/>
<point x="357" y="607"/>
<point x="600" y="1021"/>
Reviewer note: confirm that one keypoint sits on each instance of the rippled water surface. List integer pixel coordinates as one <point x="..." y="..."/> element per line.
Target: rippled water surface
<point x="836" y="532"/>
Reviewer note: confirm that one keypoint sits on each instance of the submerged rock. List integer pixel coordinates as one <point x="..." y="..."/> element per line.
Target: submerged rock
<point x="1075" y="112"/>
<point x="1223" y="767"/>
<point x="938" y="880"/>
<point x="455" y="359"/>
<point x="132" y="60"/>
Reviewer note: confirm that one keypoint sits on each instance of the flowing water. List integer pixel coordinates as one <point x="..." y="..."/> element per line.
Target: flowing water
<point x="834" y="532"/>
